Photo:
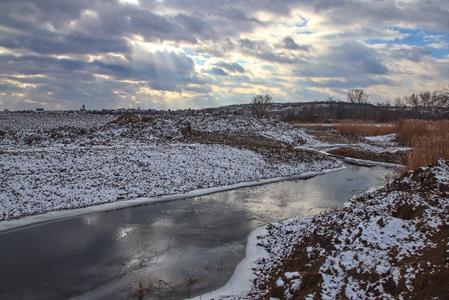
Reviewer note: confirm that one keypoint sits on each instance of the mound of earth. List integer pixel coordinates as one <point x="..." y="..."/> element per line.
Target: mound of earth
<point x="391" y="242"/>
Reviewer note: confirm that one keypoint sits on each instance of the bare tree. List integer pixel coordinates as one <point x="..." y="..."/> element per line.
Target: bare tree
<point x="444" y="97"/>
<point x="412" y="100"/>
<point x="398" y="102"/>
<point x="357" y="96"/>
<point x="425" y="99"/>
<point x="259" y="104"/>
<point x="441" y="98"/>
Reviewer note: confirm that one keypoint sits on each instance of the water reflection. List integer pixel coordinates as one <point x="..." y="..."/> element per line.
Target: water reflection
<point x="165" y="245"/>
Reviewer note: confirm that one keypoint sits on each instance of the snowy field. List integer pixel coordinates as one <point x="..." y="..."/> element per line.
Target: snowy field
<point x="61" y="160"/>
<point x="48" y="129"/>
<point x="376" y="144"/>
<point x="41" y="179"/>
<point x="32" y="121"/>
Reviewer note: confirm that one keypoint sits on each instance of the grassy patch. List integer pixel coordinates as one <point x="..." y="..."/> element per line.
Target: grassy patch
<point x="429" y="140"/>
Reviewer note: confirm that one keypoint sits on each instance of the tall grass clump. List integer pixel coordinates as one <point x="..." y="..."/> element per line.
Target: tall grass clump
<point x="429" y="141"/>
<point x="365" y="129"/>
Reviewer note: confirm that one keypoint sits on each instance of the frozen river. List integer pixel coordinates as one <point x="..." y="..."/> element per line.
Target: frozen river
<point x="177" y="249"/>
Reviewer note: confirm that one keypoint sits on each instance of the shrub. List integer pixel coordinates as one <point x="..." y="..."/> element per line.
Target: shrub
<point x="259" y="105"/>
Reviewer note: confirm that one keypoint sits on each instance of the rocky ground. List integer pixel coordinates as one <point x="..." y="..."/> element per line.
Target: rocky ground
<point x="388" y="243"/>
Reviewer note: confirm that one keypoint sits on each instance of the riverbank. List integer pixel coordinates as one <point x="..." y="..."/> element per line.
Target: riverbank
<point x="53" y="216"/>
<point x="66" y="160"/>
<point x="38" y="180"/>
<point x="389" y="242"/>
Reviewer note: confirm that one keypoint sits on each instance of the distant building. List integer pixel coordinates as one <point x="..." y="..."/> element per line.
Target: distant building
<point x="39" y="109"/>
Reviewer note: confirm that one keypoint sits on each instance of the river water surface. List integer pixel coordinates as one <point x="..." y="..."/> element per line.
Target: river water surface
<point x="177" y="249"/>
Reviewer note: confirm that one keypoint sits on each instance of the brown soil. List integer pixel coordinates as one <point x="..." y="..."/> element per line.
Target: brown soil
<point x="433" y="281"/>
<point x="273" y="151"/>
<point x="333" y="137"/>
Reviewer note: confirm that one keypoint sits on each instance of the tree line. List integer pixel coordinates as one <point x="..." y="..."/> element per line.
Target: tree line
<point x="423" y="105"/>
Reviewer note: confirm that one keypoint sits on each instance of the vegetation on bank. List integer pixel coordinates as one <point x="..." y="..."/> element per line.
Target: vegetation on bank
<point x="429" y="141"/>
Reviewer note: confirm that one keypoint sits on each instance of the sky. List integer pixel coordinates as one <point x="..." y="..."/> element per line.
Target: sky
<point x="201" y="53"/>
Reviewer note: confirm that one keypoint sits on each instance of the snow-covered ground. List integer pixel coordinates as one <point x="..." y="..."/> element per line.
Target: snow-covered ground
<point x="382" y="143"/>
<point x="389" y="139"/>
<point x="270" y="128"/>
<point x="40" y="179"/>
<point x="61" y="160"/>
<point x="48" y="129"/>
<point x="375" y="144"/>
<point x="33" y="121"/>
<point x="384" y="244"/>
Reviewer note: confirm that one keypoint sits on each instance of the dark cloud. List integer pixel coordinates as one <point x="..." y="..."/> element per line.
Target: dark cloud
<point x="413" y="53"/>
<point x="218" y="71"/>
<point x="232" y="67"/>
<point x="72" y="82"/>
<point x="347" y="59"/>
<point x="63" y="52"/>
<point x="66" y="44"/>
<point x="161" y="70"/>
<point x="55" y="27"/>
<point x="289" y="43"/>
<point x="429" y="14"/>
<point x="350" y="82"/>
<point x="264" y="51"/>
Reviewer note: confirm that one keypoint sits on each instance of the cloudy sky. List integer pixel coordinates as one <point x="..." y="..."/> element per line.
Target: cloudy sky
<point x="177" y="54"/>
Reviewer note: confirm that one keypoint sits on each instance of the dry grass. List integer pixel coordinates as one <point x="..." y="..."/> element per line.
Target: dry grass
<point x="409" y="130"/>
<point x="427" y="149"/>
<point x="429" y="140"/>
<point x="366" y="129"/>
